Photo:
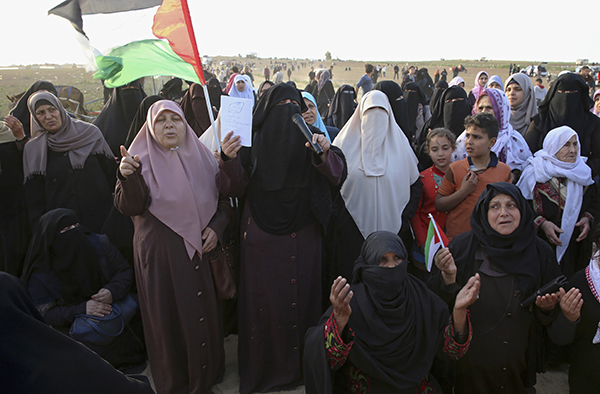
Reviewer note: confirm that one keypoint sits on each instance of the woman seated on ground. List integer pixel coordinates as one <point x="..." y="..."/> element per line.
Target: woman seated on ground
<point x="520" y="94"/>
<point x="558" y="182"/>
<point x="36" y="358"/>
<point x="313" y="117"/>
<point x="382" y="333"/>
<point x="67" y="165"/>
<point x="512" y="263"/>
<point x="578" y="326"/>
<point x="70" y="271"/>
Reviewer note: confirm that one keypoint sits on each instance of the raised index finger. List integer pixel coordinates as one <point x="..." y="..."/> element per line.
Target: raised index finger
<point x="124" y="152"/>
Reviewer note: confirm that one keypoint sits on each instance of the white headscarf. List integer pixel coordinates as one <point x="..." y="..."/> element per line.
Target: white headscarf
<point x="248" y="91"/>
<point x="455" y="81"/>
<point x="544" y="165"/>
<point x="381" y="166"/>
<point x="497" y="79"/>
<point x="510" y="147"/>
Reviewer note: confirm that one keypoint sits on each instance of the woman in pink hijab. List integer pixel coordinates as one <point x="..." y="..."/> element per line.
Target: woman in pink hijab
<point x="167" y="185"/>
<point x="480" y="81"/>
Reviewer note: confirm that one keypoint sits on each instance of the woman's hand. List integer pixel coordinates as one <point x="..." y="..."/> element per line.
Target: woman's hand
<point x="104" y="296"/>
<point x="209" y="240"/>
<point x="98" y="309"/>
<point x="552" y="232"/>
<point x="231" y="145"/>
<point x="584" y="223"/>
<point x="571" y="303"/>
<point x="445" y="262"/>
<point x="465" y="298"/>
<point x="129" y="164"/>
<point x="547" y="302"/>
<point x="468" y="294"/>
<point x="340" y="297"/>
<point x="323" y="142"/>
<point x="15" y="126"/>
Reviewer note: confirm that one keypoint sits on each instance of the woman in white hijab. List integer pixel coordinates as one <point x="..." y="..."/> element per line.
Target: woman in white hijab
<point x="523" y="107"/>
<point x="558" y="180"/>
<point x="242" y="87"/>
<point x="383" y="188"/>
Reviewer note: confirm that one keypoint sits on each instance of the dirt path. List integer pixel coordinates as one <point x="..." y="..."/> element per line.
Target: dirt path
<point x="552" y="382"/>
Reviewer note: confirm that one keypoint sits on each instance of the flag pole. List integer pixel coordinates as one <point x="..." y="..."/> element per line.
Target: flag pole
<point x="198" y="68"/>
<point x="435" y="227"/>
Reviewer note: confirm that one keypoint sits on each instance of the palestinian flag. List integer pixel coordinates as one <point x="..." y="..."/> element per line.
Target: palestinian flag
<point x="436" y="239"/>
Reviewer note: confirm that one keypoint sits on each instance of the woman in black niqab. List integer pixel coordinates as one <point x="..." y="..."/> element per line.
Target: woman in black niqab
<point x="397" y="322"/>
<point x="395" y="95"/>
<point x="440" y="87"/>
<point x="215" y="92"/>
<point x="118" y="113"/>
<point x="413" y="96"/>
<point x="342" y="107"/>
<point x="568" y="104"/>
<point x="449" y="112"/>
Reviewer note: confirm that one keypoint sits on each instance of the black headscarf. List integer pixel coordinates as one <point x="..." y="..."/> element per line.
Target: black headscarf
<point x="118" y="113"/>
<point x="172" y="89"/>
<point x="195" y="110"/>
<point x="284" y="185"/>
<point x="397" y="322"/>
<point x="395" y="95"/>
<point x="69" y="255"/>
<point x="440" y="87"/>
<point x="215" y="92"/>
<point x="516" y="253"/>
<point x="566" y="109"/>
<point x="413" y="96"/>
<point x="21" y="111"/>
<point x="140" y="118"/>
<point x="342" y="106"/>
<point x="425" y="82"/>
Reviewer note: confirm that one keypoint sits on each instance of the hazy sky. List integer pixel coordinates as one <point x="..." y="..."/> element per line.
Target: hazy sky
<point x="359" y="30"/>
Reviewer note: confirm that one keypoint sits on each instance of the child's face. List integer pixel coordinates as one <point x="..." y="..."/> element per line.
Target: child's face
<point x="440" y="151"/>
<point x="477" y="143"/>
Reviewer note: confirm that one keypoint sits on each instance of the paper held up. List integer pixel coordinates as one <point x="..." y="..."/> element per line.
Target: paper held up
<point x="236" y="116"/>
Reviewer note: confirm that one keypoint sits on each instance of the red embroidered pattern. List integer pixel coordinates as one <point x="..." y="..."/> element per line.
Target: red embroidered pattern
<point x="337" y="351"/>
<point x="451" y="347"/>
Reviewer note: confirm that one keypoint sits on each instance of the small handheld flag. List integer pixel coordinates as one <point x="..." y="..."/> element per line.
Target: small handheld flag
<point x="436" y="239"/>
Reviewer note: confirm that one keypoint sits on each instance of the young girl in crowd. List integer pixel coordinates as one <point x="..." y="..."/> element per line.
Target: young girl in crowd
<point x="440" y="146"/>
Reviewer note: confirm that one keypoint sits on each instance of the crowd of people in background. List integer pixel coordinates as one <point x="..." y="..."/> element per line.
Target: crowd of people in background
<point x="331" y="239"/>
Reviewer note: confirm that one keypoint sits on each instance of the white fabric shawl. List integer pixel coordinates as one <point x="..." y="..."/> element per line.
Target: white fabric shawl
<point x="381" y="166"/>
<point x="208" y="137"/>
<point x="544" y="165"/>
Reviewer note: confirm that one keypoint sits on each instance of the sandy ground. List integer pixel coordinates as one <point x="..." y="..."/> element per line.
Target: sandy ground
<point x="552" y="382"/>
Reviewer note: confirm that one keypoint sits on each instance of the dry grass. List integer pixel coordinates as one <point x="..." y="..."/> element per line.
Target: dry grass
<point x="16" y="81"/>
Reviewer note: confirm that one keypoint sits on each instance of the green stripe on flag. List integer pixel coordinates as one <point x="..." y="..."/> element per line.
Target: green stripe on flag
<point x="142" y="59"/>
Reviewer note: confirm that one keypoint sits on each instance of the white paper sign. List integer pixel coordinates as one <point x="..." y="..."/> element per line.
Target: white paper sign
<point x="236" y="115"/>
